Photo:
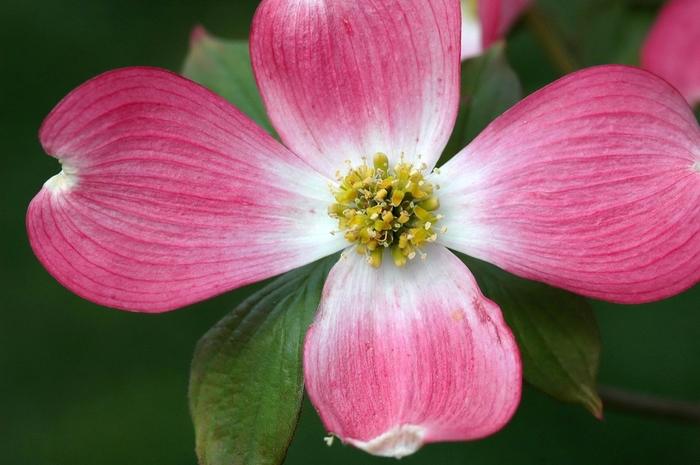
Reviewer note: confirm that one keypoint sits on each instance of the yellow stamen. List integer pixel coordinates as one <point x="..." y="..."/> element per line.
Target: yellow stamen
<point x="378" y="207"/>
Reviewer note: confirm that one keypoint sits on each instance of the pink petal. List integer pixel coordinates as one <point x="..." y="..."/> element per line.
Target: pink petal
<point x="672" y="48"/>
<point x="169" y="195"/>
<point x="591" y="184"/>
<point x="497" y="16"/>
<point x="399" y="357"/>
<point x="346" y="79"/>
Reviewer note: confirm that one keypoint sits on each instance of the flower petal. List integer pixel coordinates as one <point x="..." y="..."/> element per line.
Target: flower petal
<point x="497" y="16"/>
<point x="346" y="79"/>
<point x="471" y="29"/>
<point x="170" y="195"/>
<point x="399" y="357"/>
<point x="671" y="49"/>
<point x="591" y="184"/>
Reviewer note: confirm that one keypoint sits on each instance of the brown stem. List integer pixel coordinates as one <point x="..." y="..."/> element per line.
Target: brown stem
<point x="555" y="49"/>
<point x="650" y="405"/>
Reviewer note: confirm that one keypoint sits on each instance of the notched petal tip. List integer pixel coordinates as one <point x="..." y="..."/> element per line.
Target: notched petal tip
<point x="63" y="181"/>
<point x="398" y="442"/>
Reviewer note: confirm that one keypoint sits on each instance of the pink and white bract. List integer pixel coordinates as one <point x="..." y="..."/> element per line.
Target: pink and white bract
<point x="672" y="48"/>
<point x="169" y="195"/>
<point x="486" y="21"/>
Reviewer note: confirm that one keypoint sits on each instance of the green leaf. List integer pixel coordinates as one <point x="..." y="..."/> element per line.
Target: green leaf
<point x="489" y="87"/>
<point x="247" y="383"/>
<point x="556" y="332"/>
<point x="612" y="32"/>
<point x="593" y="32"/>
<point x="223" y="66"/>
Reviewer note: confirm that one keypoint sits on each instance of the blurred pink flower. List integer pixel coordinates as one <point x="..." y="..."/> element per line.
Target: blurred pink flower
<point x="486" y="21"/>
<point x="169" y="195"/>
<point x="672" y="48"/>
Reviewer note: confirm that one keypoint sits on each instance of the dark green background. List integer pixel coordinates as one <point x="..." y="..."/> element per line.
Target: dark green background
<point x="82" y="384"/>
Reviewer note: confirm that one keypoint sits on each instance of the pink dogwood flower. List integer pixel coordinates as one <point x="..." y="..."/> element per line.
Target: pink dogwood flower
<point x="169" y="195"/>
<point x="672" y="48"/>
<point x="486" y="21"/>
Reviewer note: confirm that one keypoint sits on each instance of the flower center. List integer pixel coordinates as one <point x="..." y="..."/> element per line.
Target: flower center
<point x="386" y="208"/>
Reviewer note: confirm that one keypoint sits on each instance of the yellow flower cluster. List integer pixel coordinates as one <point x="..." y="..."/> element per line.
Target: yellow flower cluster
<point x="381" y="208"/>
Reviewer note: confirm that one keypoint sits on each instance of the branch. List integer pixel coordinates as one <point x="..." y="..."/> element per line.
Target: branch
<point x="552" y="45"/>
<point x="649" y="405"/>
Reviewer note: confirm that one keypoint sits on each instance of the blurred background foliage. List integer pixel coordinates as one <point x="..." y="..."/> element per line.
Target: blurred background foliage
<point x="82" y="384"/>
